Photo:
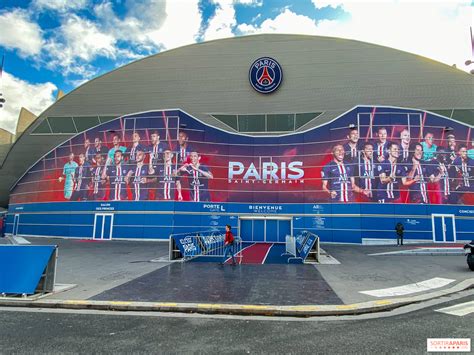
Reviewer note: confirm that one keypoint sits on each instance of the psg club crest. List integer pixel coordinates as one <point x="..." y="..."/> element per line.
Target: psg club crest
<point x="265" y="75"/>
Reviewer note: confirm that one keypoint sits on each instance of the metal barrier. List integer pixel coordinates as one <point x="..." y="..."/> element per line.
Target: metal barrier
<point x="27" y="269"/>
<point x="187" y="246"/>
<point x="290" y="248"/>
<point x="307" y="246"/>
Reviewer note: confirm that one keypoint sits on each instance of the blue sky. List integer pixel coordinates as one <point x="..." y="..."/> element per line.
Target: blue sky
<point x="60" y="44"/>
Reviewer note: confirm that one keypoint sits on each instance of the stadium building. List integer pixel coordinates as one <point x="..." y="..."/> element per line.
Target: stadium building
<point x="272" y="134"/>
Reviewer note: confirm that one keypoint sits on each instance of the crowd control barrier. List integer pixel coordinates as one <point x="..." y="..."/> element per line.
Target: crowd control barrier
<point x="187" y="246"/>
<point x="305" y="246"/>
<point x="290" y="248"/>
<point x="27" y="269"/>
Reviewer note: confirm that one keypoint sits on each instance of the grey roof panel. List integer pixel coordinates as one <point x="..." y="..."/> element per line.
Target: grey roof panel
<point x="320" y="74"/>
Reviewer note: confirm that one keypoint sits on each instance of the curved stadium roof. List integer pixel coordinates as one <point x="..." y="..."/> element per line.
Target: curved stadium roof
<point x="322" y="75"/>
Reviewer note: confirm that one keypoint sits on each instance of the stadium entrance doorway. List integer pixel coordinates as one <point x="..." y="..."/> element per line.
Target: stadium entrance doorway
<point x="16" y="223"/>
<point x="444" y="228"/>
<point x="265" y="229"/>
<point x="103" y="225"/>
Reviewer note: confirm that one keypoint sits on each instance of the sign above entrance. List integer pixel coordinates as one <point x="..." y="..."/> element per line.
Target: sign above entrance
<point x="265" y="75"/>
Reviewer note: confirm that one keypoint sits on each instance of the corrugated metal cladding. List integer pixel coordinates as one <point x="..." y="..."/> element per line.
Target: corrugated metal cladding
<point x="320" y="74"/>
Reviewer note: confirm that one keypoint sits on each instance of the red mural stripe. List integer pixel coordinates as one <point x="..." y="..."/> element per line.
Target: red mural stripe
<point x="167" y="134"/>
<point x="369" y="131"/>
<point x="255" y="254"/>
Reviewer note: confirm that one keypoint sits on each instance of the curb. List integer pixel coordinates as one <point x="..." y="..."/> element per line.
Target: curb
<point x="239" y="309"/>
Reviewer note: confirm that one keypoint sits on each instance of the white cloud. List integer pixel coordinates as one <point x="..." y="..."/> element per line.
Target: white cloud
<point x="319" y="4"/>
<point x="285" y="22"/>
<point x="223" y="21"/>
<point x="249" y="2"/>
<point x="19" y="93"/>
<point x="17" y="31"/>
<point x="60" y="5"/>
<point x="77" y="42"/>
<point x="434" y="29"/>
<point x="150" y="25"/>
<point x="85" y="40"/>
<point x="181" y="25"/>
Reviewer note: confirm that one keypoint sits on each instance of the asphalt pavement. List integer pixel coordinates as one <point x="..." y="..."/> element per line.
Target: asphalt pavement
<point x="402" y="331"/>
<point x="139" y="271"/>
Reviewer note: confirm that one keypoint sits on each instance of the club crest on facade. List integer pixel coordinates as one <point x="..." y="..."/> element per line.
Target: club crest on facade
<point x="265" y="75"/>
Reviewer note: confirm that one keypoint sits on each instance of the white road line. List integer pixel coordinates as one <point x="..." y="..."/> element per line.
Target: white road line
<point x="20" y="240"/>
<point x="426" y="285"/>
<point x="422" y="250"/>
<point x="459" y="309"/>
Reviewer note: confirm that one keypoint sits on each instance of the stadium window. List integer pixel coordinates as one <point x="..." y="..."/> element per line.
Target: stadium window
<point x="230" y="120"/>
<point x="466" y="116"/>
<point x="86" y="122"/>
<point x="444" y="113"/>
<point x="62" y="124"/>
<point x="104" y="119"/>
<point x="304" y="118"/>
<point x="43" y="128"/>
<point x="251" y="123"/>
<point x="281" y="122"/>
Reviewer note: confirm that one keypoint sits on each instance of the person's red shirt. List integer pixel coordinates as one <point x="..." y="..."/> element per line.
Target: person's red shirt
<point x="229" y="237"/>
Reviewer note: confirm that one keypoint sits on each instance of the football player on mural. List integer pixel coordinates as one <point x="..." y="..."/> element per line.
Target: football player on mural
<point x="98" y="183"/>
<point x="116" y="174"/>
<point x="82" y="176"/>
<point x="111" y="154"/>
<point x="405" y="139"/>
<point x="429" y="148"/>
<point x="166" y="180"/>
<point x="465" y="169"/>
<point x="452" y="148"/>
<point x="68" y="176"/>
<point x="88" y="150"/>
<point x="136" y="146"/>
<point x="339" y="178"/>
<point x="137" y="176"/>
<point x="156" y="148"/>
<point x="470" y="152"/>
<point x="367" y="173"/>
<point x="390" y="173"/>
<point x="98" y="149"/>
<point x="381" y="145"/>
<point x="352" y="147"/>
<point x="419" y="174"/>
<point x="198" y="177"/>
<point x="183" y="150"/>
<point x="447" y="177"/>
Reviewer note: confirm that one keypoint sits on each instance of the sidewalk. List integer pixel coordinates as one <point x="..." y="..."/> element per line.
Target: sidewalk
<point x="136" y="275"/>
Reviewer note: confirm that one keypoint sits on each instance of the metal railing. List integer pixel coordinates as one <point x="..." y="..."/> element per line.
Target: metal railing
<point x="187" y="246"/>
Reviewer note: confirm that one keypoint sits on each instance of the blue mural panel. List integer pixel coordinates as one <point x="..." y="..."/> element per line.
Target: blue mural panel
<point x="352" y="178"/>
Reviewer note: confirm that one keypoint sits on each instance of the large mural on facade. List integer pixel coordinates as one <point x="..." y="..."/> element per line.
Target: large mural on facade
<point x="368" y="155"/>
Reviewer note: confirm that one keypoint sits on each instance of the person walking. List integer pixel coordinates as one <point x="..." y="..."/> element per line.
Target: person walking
<point x="399" y="229"/>
<point x="228" y="245"/>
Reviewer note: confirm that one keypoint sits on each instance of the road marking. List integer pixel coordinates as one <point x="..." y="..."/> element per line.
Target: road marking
<point x="418" y="250"/>
<point x="459" y="309"/>
<point x="426" y="285"/>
